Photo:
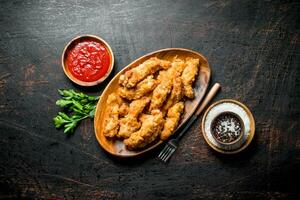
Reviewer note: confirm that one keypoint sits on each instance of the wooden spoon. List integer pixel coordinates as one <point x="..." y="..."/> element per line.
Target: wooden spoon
<point x="117" y="147"/>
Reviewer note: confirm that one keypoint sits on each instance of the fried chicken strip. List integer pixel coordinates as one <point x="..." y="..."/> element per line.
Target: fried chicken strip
<point x="176" y="69"/>
<point x="176" y="94"/>
<point x="173" y="117"/>
<point x="123" y="110"/>
<point x="130" y="123"/>
<point x="144" y="87"/>
<point x="137" y="74"/>
<point x="166" y="78"/>
<point x="160" y="94"/>
<point x="143" y="117"/>
<point x="112" y="120"/>
<point x="188" y="76"/>
<point x="149" y="131"/>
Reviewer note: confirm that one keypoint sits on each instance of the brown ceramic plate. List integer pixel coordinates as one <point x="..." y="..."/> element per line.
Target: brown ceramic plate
<point x="117" y="147"/>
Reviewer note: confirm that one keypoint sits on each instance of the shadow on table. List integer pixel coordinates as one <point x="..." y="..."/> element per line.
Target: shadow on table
<point x="149" y="156"/>
<point x="245" y="155"/>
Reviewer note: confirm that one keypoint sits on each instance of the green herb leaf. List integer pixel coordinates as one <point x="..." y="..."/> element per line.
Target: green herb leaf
<point x="63" y="103"/>
<point x="64" y="116"/>
<point x="58" y="121"/>
<point x="78" y="106"/>
<point x="69" y="128"/>
<point x="92" y="113"/>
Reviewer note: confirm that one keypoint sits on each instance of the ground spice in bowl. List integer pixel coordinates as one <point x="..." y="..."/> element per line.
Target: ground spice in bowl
<point x="227" y="128"/>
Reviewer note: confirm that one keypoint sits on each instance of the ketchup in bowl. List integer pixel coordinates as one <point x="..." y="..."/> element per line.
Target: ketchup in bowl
<point x="88" y="60"/>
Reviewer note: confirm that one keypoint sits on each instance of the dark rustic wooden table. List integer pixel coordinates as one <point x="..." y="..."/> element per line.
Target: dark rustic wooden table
<point x="252" y="47"/>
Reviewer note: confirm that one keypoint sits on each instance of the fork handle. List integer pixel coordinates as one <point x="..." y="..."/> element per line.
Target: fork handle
<point x="213" y="91"/>
<point x="207" y="99"/>
<point x="190" y="122"/>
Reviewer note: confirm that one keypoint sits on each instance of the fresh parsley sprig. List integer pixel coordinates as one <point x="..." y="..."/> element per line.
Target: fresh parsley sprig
<point x="79" y="106"/>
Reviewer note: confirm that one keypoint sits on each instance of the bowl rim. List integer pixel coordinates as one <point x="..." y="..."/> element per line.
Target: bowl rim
<point x="252" y="127"/>
<point x="84" y="83"/>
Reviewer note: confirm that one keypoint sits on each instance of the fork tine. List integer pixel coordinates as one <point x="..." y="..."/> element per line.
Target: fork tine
<point x="163" y="151"/>
<point x="168" y="150"/>
<point x="170" y="154"/>
<point x="167" y="153"/>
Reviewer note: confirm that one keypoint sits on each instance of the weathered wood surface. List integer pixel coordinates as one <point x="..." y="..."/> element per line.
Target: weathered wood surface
<point x="253" y="50"/>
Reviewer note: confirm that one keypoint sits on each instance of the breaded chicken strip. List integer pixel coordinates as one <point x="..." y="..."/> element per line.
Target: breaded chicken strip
<point x="166" y="78"/>
<point x="175" y="70"/>
<point x="130" y="123"/>
<point x="143" y="117"/>
<point x="123" y="110"/>
<point x="149" y="131"/>
<point x="172" y="120"/>
<point x="176" y="94"/>
<point x="137" y="74"/>
<point x="128" y="126"/>
<point x="160" y="94"/>
<point x="178" y="65"/>
<point x="188" y="76"/>
<point x="111" y="124"/>
<point x="144" y="87"/>
<point x="137" y="106"/>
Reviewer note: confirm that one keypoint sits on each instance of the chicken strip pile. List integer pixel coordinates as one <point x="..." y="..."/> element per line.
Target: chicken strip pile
<point x="160" y="83"/>
<point x="188" y="76"/>
<point x="144" y="87"/>
<point x="172" y="120"/>
<point x="112" y="120"/>
<point x="130" y="123"/>
<point x="150" y="129"/>
<point x="137" y="74"/>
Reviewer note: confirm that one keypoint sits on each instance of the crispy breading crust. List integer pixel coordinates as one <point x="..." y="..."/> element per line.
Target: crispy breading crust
<point x="160" y="94"/>
<point x="166" y="78"/>
<point x="112" y="120"/>
<point x="149" y="131"/>
<point x="144" y="87"/>
<point x="176" y="94"/>
<point x="172" y="120"/>
<point x="130" y="123"/>
<point x="188" y="76"/>
<point x="137" y="74"/>
<point x="123" y="110"/>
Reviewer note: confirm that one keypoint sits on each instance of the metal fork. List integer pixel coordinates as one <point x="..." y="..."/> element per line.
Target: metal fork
<point x="172" y="145"/>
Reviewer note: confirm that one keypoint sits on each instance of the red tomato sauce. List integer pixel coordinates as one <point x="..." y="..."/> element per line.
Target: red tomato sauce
<point x="88" y="60"/>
